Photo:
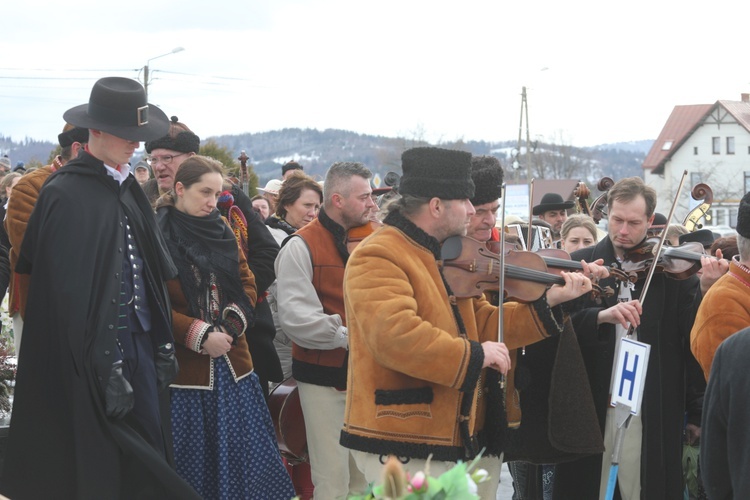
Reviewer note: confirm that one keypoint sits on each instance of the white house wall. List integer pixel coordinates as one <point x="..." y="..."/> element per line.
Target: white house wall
<point x="724" y="173"/>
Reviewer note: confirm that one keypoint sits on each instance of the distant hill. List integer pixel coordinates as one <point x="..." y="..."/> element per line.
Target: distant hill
<point x="318" y="149"/>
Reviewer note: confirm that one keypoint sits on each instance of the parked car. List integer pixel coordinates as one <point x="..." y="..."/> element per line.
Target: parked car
<point x="722" y="230"/>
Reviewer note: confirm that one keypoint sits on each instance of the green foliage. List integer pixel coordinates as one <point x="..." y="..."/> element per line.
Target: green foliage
<point x="690" y="467"/>
<point x="226" y="157"/>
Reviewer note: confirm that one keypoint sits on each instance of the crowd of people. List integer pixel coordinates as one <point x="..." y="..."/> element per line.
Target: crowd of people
<point x="154" y="316"/>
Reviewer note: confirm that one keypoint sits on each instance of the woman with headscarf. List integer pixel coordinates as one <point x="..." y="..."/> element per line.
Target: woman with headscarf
<point x="224" y="441"/>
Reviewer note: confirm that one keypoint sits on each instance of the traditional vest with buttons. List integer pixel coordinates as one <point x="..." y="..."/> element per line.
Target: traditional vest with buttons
<point x="135" y="314"/>
<point x="317" y="366"/>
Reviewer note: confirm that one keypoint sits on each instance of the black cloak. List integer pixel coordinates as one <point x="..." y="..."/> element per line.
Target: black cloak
<point x="673" y="376"/>
<point x="61" y="442"/>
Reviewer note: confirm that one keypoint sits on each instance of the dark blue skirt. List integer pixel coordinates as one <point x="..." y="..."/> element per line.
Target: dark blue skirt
<point x="224" y="442"/>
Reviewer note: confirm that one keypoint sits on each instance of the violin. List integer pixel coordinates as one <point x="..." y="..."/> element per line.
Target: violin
<point x="470" y="268"/>
<point x="559" y="260"/>
<point x="679" y="262"/>
<point x="598" y="207"/>
<point x="581" y="194"/>
<point x="702" y="192"/>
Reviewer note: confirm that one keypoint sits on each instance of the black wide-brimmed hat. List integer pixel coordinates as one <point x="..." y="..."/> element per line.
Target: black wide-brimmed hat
<point x="436" y="173"/>
<point x="703" y="236"/>
<point x="551" y="201"/>
<point x="118" y="106"/>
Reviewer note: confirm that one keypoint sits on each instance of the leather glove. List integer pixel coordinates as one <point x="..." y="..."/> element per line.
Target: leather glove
<point x="166" y="369"/>
<point x="119" y="396"/>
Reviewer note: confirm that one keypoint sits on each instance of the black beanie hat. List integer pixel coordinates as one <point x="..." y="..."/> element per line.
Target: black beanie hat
<point x="290" y="165"/>
<point x="743" y="217"/>
<point x="184" y="142"/>
<point x="71" y="134"/>
<point x="487" y="175"/>
<point x="436" y="173"/>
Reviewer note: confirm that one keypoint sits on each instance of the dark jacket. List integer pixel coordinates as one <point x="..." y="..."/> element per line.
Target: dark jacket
<point x="262" y="251"/>
<point x="725" y="450"/>
<point x="668" y="314"/>
<point x="61" y="443"/>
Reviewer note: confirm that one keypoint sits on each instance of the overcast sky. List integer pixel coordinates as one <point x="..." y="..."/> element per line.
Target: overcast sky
<point x="433" y="69"/>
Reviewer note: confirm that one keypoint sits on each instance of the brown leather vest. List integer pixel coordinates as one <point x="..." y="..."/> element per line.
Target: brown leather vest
<point x="317" y="366"/>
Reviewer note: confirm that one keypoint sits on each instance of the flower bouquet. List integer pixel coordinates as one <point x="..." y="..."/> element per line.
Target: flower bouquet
<point x="457" y="483"/>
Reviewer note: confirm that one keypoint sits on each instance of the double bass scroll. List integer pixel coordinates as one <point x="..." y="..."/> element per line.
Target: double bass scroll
<point x="702" y="192"/>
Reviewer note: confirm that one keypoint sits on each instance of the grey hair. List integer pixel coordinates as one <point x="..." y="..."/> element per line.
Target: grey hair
<point x="743" y="247"/>
<point x="337" y="178"/>
<point x="407" y="204"/>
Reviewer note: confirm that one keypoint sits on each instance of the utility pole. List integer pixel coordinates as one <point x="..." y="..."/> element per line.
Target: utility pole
<point x="525" y="111"/>
<point x="146" y="68"/>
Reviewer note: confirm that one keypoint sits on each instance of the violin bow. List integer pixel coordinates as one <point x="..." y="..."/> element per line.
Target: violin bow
<point x="657" y="249"/>
<point x="501" y="309"/>
<point x="531" y="213"/>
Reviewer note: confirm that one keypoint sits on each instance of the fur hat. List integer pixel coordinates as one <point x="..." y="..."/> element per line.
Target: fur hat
<point x="118" y="106"/>
<point x="436" y="173"/>
<point x="743" y="217"/>
<point x="487" y="175"/>
<point x="71" y="134"/>
<point x="551" y="201"/>
<point x="290" y="165"/>
<point x="179" y="138"/>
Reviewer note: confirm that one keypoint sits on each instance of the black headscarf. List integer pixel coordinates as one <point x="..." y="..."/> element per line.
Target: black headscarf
<point x="199" y="247"/>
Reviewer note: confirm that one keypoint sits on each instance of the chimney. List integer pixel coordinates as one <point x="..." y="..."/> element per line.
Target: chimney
<point x="745" y="97"/>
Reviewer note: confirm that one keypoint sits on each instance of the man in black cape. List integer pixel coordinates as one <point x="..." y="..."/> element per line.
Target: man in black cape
<point x="97" y="346"/>
<point x="651" y="458"/>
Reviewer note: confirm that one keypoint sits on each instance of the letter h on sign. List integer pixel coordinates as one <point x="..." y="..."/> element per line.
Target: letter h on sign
<point x="628" y="375"/>
<point x="629" y="378"/>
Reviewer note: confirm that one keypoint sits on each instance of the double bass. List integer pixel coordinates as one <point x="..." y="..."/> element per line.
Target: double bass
<point x="244" y="177"/>
<point x="704" y="193"/>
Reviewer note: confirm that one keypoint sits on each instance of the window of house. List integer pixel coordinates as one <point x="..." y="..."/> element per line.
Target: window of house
<point x="747" y="182"/>
<point x="666" y="146"/>
<point x="730" y="145"/>
<point x="695" y="150"/>
<point x="716" y="145"/>
<point x="695" y="178"/>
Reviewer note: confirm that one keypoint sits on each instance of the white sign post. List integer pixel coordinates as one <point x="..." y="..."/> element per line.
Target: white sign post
<point x="627" y="395"/>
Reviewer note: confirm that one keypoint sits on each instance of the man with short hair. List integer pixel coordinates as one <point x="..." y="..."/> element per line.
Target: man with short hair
<point x="419" y="384"/>
<point x="98" y="347"/>
<point x="25" y="193"/>
<point x="554" y="211"/>
<point x="288" y="169"/>
<point x="142" y="172"/>
<point x="650" y="464"/>
<point x="310" y="274"/>
<point x="725" y="309"/>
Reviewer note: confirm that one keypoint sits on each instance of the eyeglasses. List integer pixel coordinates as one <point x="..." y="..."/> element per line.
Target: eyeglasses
<point x="165" y="160"/>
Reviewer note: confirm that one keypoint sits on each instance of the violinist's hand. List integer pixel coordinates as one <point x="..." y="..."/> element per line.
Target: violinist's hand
<point x="595" y="270"/>
<point x="624" y="313"/>
<point x="576" y="284"/>
<point x="496" y="356"/>
<point x="712" y="270"/>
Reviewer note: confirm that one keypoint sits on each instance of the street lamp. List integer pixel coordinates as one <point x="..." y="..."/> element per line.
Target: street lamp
<point x="145" y="68"/>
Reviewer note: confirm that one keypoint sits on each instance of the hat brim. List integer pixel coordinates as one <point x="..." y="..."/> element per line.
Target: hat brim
<point x="157" y="126"/>
<point x="540" y="209"/>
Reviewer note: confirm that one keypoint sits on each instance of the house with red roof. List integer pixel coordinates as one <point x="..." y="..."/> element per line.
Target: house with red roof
<point x="712" y="143"/>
